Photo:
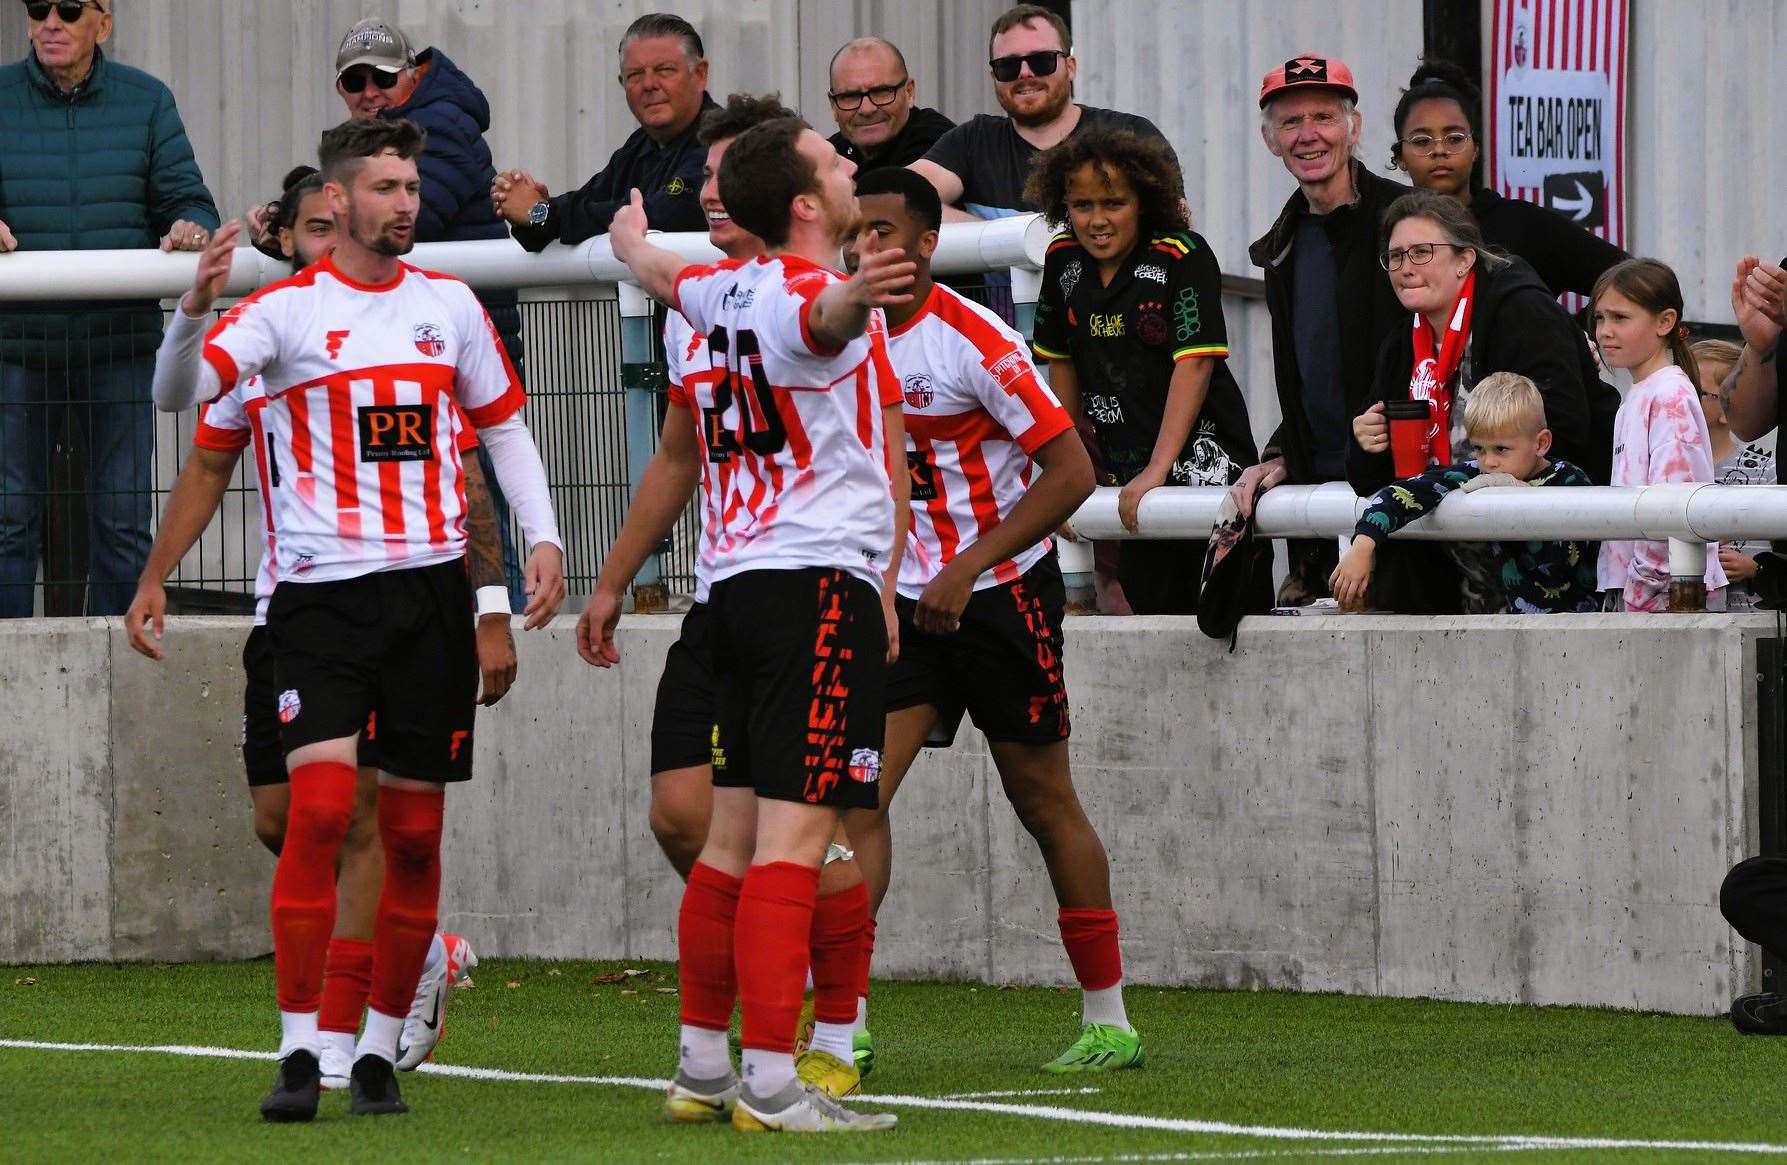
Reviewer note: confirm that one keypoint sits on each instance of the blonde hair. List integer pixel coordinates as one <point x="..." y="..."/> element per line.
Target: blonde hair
<point x="1720" y="354"/>
<point x="1504" y="402"/>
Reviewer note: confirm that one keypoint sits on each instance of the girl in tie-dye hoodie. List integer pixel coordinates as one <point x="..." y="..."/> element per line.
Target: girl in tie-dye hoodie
<point x="1660" y="433"/>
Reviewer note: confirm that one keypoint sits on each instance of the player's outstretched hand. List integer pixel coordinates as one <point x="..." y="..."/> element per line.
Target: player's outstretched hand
<point x="595" y="630"/>
<point x="945" y="597"/>
<point x="628" y="226"/>
<point x="545" y="579"/>
<point x="213" y="271"/>
<point x="496" y="658"/>
<point x="883" y="277"/>
<point x="143" y="622"/>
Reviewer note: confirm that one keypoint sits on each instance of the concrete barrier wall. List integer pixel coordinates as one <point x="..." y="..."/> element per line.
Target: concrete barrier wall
<point x="1495" y="808"/>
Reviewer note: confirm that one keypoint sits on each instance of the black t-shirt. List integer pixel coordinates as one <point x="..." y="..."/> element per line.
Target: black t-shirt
<point x="1164" y="305"/>
<point x="921" y="131"/>
<point x="993" y="161"/>
<point x="1315" y="305"/>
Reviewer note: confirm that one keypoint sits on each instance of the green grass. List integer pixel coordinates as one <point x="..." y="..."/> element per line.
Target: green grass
<point x="1303" y="1061"/>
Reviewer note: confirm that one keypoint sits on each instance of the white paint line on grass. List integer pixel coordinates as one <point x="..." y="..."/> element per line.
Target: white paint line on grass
<point x="1120" y="1120"/>
<point x="1022" y="1092"/>
<point x="1239" y="1155"/>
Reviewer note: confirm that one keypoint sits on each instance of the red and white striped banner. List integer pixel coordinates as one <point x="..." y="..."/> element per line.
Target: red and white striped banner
<point x="1557" y="108"/>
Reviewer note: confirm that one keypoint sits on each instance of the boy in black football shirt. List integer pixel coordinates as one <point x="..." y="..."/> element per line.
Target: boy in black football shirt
<point x="1131" y="322"/>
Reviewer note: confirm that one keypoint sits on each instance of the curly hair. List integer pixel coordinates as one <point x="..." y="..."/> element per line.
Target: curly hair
<point x="1147" y="164"/>
<point x="740" y="113"/>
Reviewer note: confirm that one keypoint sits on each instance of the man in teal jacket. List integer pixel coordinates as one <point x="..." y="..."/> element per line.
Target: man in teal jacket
<point x="92" y="156"/>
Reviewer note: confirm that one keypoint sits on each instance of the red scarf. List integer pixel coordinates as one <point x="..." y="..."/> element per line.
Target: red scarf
<point x="1432" y="377"/>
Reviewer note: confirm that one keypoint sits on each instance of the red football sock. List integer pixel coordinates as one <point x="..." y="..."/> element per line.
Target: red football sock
<point x="346" y="982"/>
<point x="868" y="956"/>
<point x="304" y="880"/>
<point x="409" y="823"/>
<point x="775" y="909"/>
<point x="1090" y="937"/>
<point x="708" y="983"/>
<point x="839" y="953"/>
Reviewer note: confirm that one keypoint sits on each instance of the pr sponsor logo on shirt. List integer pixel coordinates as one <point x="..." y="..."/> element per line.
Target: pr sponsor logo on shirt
<point x="429" y="340"/>
<point x="397" y="432"/>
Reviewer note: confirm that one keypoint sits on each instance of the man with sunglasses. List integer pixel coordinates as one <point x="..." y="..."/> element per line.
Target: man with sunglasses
<point x="979" y="167"/>
<point x="93" y="156"/>
<point x="663" y="71"/>
<point x="871" y="97"/>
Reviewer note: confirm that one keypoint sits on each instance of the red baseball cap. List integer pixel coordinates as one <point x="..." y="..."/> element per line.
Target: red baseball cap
<point x="1308" y="69"/>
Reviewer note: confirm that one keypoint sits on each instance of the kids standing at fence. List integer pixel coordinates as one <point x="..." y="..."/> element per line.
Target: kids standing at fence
<point x="1659" y="434"/>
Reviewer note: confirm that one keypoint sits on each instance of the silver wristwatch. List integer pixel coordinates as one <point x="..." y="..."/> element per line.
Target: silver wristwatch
<point x="538" y="214"/>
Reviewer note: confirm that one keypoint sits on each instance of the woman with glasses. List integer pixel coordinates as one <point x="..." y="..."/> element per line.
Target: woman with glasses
<point x="1471" y="311"/>
<point x="1439" y="142"/>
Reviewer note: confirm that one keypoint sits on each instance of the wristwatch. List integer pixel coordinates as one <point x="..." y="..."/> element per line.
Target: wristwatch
<point x="539" y="213"/>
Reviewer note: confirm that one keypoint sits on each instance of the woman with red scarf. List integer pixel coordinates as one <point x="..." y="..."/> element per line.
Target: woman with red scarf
<point x="1472" y="312"/>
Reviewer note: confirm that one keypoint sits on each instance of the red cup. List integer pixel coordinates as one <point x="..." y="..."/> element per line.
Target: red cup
<point x="1411" y="427"/>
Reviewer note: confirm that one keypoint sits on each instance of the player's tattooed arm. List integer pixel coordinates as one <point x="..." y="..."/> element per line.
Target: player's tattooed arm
<point x="497" y="664"/>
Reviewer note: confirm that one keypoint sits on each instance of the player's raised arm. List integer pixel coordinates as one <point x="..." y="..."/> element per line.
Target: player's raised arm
<point x="654" y="268"/>
<point x="182" y="378"/>
<point x="883" y="279"/>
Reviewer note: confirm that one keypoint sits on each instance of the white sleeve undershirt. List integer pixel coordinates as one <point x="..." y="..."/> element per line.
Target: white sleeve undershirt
<point x="523" y="478"/>
<point x="182" y="377"/>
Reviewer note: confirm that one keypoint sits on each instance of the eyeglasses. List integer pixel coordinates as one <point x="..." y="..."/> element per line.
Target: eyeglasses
<point x="880" y="96"/>
<point x="1042" y="64"/>
<point x="356" y="78"/>
<point x="1420" y="254"/>
<point x="68" y="11"/>
<point x="1425" y="145"/>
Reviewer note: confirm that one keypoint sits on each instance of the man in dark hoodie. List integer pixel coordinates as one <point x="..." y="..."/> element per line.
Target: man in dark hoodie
<point x="378" y="74"/>
<point x="1331" y="305"/>
<point x="872" y="99"/>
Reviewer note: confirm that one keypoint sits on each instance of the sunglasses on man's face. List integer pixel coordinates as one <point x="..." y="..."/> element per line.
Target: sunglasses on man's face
<point x="356" y="79"/>
<point x="68" y="11"/>
<point x="1043" y="63"/>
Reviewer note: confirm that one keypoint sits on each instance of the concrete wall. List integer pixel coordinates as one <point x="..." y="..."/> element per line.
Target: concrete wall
<point x="1506" y="809"/>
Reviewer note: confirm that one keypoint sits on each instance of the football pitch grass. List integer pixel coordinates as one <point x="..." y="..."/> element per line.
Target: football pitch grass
<point x="562" y="1061"/>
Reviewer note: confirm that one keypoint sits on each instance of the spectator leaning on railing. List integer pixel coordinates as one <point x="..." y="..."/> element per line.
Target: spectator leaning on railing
<point x="92" y="156"/>
<point x="1468" y="312"/>
<point x="1331" y="308"/>
<point x="872" y="98"/>
<point x="664" y="74"/>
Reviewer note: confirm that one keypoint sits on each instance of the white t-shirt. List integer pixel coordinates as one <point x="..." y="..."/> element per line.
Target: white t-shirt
<point x="362" y="396"/>
<point x="975" y="412"/>
<point x="798" y="473"/>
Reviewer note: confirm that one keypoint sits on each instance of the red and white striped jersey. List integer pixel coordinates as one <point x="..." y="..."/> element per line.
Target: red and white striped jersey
<point x="798" y="472"/>
<point x="692" y="377"/>
<point x="358" y="393"/>
<point x="228" y="426"/>
<point x="975" y="412"/>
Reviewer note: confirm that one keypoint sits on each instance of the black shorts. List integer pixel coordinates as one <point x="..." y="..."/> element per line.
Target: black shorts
<point x="262" y="754"/>
<point x="392" y="654"/>
<point x="1002" y="666"/>
<point x="683" y="718"/>
<point x="800" y="659"/>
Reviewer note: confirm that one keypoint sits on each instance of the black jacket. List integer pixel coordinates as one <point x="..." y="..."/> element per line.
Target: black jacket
<point x="913" y="141"/>
<point x="1516" y="326"/>
<point x="1368" y="308"/>
<point x="1566" y="257"/>
<point x="667" y="174"/>
<point x="456" y="172"/>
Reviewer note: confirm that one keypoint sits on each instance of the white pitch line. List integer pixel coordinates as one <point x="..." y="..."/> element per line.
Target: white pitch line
<point x="1021" y="1092"/>
<point x="1121" y="1120"/>
<point x="1241" y="1155"/>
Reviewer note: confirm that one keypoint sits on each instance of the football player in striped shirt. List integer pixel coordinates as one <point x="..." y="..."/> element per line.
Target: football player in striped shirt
<point x="365" y="370"/>
<point x="980" y="595"/>
<point x="300" y="225"/>
<point x="811" y="523"/>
